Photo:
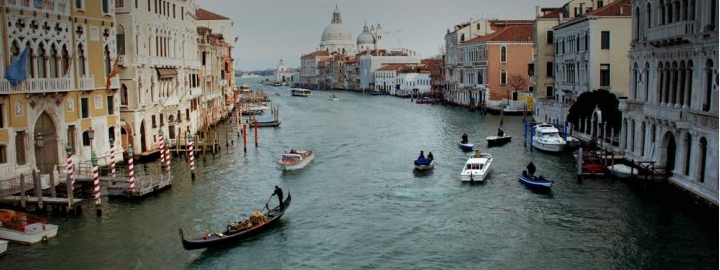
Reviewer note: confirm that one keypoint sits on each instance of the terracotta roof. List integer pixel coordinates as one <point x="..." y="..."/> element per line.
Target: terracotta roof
<point x="619" y="8"/>
<point x="202" y="14"/>
<point x="395" y="67"/>
<point x="515" y="32"/>
<point x="553" y="14"/>
<point x="317" y="53"/>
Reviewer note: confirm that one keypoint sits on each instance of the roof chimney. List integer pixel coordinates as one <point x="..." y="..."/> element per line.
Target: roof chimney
<point x="537" y="11"/>
<point x="621" y="10"/>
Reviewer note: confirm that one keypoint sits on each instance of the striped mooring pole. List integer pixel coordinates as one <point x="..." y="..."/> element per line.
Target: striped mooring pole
<point x="112" y="157"/>
<point x="131" y="171"/>
<point x="96" y="184"/>
<point x="192" y="156"/>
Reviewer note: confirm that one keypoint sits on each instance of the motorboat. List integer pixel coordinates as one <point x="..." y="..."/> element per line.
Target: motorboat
<point x="3" y="246"/>
<point x="477" y="167"/>
<point x="301" y="92"/>
<point x="622" y="171"/>
<point x="591" y="163"/>
<point x="25" y="228"/>
<point x="498" y="140"/>
<point x="296" y="158"/>
<point x="422" y="164"/>
<point x="547" y="138"/>
<point x="334" y="98"/>
<point x="529" y="179"/>
<point x="466" y="146"/>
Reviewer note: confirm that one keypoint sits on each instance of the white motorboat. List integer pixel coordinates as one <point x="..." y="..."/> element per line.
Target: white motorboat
<point x="547" y="138"/>
<point x="622" y="171"/>
<point x="25" y="228"/>
<point x="301" y="92"/>
<point x="3" y="246"/>
<point x="296" y="158"/>
<point x="477" y="167"/>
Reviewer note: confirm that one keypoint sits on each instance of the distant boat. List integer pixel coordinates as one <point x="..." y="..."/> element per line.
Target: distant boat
<point x="249" y="75"/>
<point x="334" y="98"/>
<point x="466" y="146"/>
<point x="622" y="171"/>
<point x="423" y="164"/>
<point x="528" y="178"/>
<point x="296" y="158"/>
<point x="301" y="92"/>
<point x="379" y="93"/>
<point x="498" y="140"/>
<point x="265" y="123"/>
<point x="547" y="138"/>
<point x="477" y="167"/>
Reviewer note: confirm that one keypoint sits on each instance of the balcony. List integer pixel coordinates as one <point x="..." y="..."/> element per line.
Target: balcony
<point x="664" y="113"/>
<point x="36" y="85"/>
<point x="86" y="83"/>
<point x="671" y="34"/>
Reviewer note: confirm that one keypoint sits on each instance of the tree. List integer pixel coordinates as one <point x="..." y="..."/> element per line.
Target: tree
<point x="517" y="82"/>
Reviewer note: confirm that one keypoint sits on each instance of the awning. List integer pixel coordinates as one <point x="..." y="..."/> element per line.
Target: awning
<point x="167" y="73"/>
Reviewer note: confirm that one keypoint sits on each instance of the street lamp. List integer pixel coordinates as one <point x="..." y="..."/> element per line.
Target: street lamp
<point x="40" y="142"/>
<point x="91" y="136"/>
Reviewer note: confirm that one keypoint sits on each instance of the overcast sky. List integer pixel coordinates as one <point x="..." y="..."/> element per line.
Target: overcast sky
<point x="270" y="30"/>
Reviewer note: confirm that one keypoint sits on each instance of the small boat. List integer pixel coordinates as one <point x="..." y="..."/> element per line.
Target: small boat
<point x="424" y="100"/>
<point x="25" y="228"/>
<point x="379" y="93"/>
<point x="422" y="164"/>
<point x="265" y="123"/>
<point x="236" y="231"/>
<point x="591" y="163"/>
<point x="622" y="171"/>
<point x="498" y="140"/>
<point x="3" y="246"/>
<point x="477" y="167"/>
<point x="528" y="178"/>
<point x="296" y="158"/>
<point x="547" y="138"/>
<point x="334" y="98"/>
<point x="466" y="146"/>
<point x="301" y="92"/>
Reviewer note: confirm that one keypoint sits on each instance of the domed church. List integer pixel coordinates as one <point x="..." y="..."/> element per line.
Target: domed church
<point x="336" y="38"/>
<point x="366" y="40"/>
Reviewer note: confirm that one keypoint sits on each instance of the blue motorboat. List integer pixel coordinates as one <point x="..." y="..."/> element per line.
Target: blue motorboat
<point x="466" y="146"/>
<point x="424" y="164"/>
<point x="528" y="178"/>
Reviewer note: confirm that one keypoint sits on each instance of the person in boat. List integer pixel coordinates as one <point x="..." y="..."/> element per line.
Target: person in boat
<point x="464" y="138"/>
<point x="477" y="153"/>
<point x="422" y="155"/>
<point x="278" y="191"/>
<point x="430" y="156"/>
<point x="501" y="133"/>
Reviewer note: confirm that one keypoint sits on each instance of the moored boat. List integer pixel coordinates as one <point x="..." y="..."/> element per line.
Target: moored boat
<point x="3" y="246"/>
<point x="477" y="167"/>
<point x="622" y="171"/>
<point x="547" y="138"/>
<point x="237" y="231"/>
<point x="25" y="228"/>
<point x="265" y="123"/>
<point x="423" y="164"/>
<point x="296" y="158"/>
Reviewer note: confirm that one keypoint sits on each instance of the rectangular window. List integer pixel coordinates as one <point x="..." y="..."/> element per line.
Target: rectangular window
<point x="549" y="69"/>
<point x="600" y="3"/>
<point x="549" y="91"/>
<point x="550" y="37"/>
<point x="84" y="108"/>
<point x="119" y="3"/>
<point x="162" y="120"/>
<point x="187" y="114"/>
<point x="604" y="74"/>
<point x="71" y="139"/>
<point x="531" y="69"/>
<point x="80" y="4"/>
<point x="2" y="115"/>
<point x="86" y="138"/>
<point x="154" y="123"/>
<point x="20" y="138"/>
<point x="587" y="39"/>
<point x="110" y="105"/>
<point x="3" y="154"/>
<point x="104" y="6"/>
<point x="605" y="40"/>
<point x="97" y="102"/>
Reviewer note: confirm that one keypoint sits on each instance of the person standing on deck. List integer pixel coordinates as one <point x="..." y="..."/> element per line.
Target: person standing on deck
<point x="278" y="191"/>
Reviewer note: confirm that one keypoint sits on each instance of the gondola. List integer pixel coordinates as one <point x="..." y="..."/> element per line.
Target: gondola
<point x="232" y="235"/>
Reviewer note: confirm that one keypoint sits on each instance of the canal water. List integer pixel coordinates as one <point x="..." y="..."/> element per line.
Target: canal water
<point x="360" y="205"/>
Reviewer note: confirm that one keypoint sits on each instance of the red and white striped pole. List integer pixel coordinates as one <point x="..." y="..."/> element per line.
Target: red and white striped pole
<point x="68" y="151"/>
<point x="162" y="147"/>
<point x="131" y="171"/>
<point x="96" y="184"/>
<point x="192" y="156"/>
<point x="112" y="157"/>
<point x="167" y="156"/>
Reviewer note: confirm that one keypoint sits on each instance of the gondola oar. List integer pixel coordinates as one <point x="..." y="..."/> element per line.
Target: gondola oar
<point x="268" y="201"/>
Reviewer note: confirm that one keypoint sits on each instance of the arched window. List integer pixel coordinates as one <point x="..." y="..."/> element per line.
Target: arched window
<point x="503" y="77"/>
<point x="81" y="62"/>
<point x="503" y="54"/>
<point x="688" y="154"/>
<point x="648" y="13"/>
<point x="120" y="39"/>
<point x="636" y="23"/>
<point x="647" y="82"/>
<point x="702" y="159"/>
<point x="707" y="95"/>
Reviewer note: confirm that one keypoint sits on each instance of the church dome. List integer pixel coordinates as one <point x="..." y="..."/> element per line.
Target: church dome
<point x="335" y="32"/>
<point x="365" y="37"/>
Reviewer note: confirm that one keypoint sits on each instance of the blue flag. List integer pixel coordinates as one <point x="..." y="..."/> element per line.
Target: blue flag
<point x="17" y="71"/>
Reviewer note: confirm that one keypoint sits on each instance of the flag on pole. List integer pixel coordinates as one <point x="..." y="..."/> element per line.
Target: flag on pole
<point x="70" y="65"/>
<point x="112" y="74"/>
<point x="17" y="71"/>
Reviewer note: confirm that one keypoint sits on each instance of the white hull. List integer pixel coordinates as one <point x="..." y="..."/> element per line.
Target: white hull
<point x="549" y="147"/>
<point x="34" y="233"/>
<point x="3" y="246"/>
<point x="425" y="167"/>
<point x="296" y="163"/>
<point x="621" y="171"/>
<point x="476" y="169"/>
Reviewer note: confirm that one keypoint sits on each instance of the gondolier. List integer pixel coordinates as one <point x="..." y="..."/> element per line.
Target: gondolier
<point x="278" y="191"/>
